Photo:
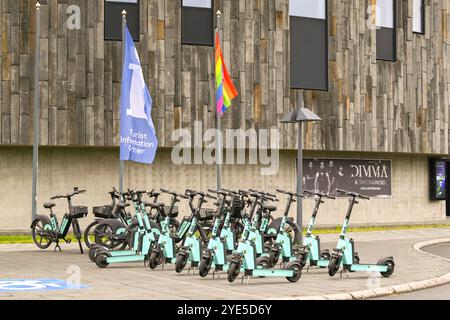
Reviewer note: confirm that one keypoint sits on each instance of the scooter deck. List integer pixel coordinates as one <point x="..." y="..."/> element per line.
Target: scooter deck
<point x="123" y="253"/>
<point x="272" y="273"/>
<point x="369" y="268"/>
<point x="129" y="258"/>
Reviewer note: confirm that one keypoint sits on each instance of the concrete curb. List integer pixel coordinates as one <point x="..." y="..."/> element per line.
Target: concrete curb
<point x="392" y="290"/>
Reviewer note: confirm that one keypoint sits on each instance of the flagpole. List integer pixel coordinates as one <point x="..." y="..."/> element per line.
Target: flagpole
<point x="122" y="163"/>
<point x="37" y="113"/>
<point x="219" y="147"/>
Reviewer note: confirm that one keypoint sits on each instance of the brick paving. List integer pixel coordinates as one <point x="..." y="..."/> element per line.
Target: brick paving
<point x="135" y="282"/>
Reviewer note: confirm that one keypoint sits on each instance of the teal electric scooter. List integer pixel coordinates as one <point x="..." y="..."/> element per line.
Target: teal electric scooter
<point x="311" y="253"/>
<point x="165" y="248"/>
<point x="283" y="247"/>
<point x="142" y="237"/>
<point x="344" y="254"/>
<point x="223" y="238"/>
<point x="244" y="259"/>
<point x="191" y="250"/>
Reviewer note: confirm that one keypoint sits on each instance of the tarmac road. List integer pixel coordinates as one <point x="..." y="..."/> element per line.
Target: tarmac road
<point x="438" y="293"/>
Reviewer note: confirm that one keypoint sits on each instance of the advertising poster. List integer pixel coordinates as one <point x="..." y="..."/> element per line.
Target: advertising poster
<point x="440" y="177"/>
<point x="372" y="178"/>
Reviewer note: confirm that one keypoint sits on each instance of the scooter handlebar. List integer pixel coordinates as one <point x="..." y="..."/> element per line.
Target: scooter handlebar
<point x="290" y="193"/>
<point x="352" y="194"/>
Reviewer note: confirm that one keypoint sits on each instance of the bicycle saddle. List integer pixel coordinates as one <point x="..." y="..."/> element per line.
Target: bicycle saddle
<point x="49" y="205"/>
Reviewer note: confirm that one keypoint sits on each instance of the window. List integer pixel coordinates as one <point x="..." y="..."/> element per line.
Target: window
<point x="418" y="16"/>
<point x="113" y="19"/>
<point x="197" y="22"/>
<point x="386" y="31"/>
<point x="309" y="44"/>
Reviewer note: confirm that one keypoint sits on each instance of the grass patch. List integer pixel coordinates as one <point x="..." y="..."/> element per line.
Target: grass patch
<point x="382" y="228"/>
<point x="23" y="239"/>
<point x="14" y="239"/>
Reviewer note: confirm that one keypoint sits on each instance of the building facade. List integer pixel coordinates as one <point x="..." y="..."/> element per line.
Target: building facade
<point x="382" y="91"/>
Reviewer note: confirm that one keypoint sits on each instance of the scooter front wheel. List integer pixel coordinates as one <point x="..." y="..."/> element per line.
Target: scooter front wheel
<point x="181" y="262"/>
<point x="92" y="254"/>
<point x="333" y="268"/>
<point x="296" y="269"/>
<point x="233" y="271"/>
<point x="205" y="267"/>
<point x="154" y="259"/>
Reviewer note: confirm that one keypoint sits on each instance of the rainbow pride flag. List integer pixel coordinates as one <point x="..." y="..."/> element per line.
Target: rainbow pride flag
<point x="225" y="89"/>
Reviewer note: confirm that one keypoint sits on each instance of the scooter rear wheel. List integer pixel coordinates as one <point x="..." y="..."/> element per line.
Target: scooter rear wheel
<point x="101" y="261"/>
<point x="391" y="267"/>
<point x="233" y="271"/>
<point x="297" y="269"/>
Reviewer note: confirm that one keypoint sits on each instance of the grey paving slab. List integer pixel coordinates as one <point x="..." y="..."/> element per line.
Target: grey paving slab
<point x="135" y="282"/>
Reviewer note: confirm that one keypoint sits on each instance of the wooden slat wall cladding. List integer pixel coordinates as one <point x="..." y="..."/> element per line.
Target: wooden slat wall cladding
<point x="370" y="106"/>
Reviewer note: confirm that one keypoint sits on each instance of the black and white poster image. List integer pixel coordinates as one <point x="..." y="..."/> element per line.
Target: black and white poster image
<point x="372" y="178"/>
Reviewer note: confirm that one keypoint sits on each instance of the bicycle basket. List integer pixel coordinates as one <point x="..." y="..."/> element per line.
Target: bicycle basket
<point x="79" y="212"/>
<point x="206" y="214"/>
<point x="173" y="214"/>
<point x="102" y="212"/>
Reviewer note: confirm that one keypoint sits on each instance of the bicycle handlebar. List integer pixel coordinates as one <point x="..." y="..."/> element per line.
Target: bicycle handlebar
<point x="76" y="191"/>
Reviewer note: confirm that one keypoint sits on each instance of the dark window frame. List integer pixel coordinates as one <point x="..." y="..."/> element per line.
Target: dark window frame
<point x="423" y="18"/>
<point x="192" y="43"/>
<point x="394" y="37"/>
<point x="117" y="4"/>
<point x="327" y="57"/>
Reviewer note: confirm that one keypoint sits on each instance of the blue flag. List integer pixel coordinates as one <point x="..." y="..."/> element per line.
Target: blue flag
<point x="138" y="141"/>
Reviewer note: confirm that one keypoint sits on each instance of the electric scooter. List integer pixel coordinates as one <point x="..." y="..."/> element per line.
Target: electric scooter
<point x="344" y="254"/>
<point x="191" y="250"/>
<point x="165" y="248"/>
<point x="283" y="246"/>
<point x="222" y="242"/>
<point x="45" y="230"/>
<point x="142" y="238"/>
<point x="245" y="258"/>
<point x="311" y="251"/>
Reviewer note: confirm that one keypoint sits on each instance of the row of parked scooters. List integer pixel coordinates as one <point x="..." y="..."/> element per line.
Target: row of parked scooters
<point x="239" y="236"/>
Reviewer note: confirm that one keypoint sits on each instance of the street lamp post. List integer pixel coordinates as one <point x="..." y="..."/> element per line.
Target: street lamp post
<point x="300" y="116"/>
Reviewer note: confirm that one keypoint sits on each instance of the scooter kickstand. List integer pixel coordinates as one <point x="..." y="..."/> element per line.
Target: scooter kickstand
<point x="248" y="280"/>
<point x="57" y="247"/>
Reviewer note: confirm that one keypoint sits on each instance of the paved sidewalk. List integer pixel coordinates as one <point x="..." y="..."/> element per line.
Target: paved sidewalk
<point x="133" y="281"/>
